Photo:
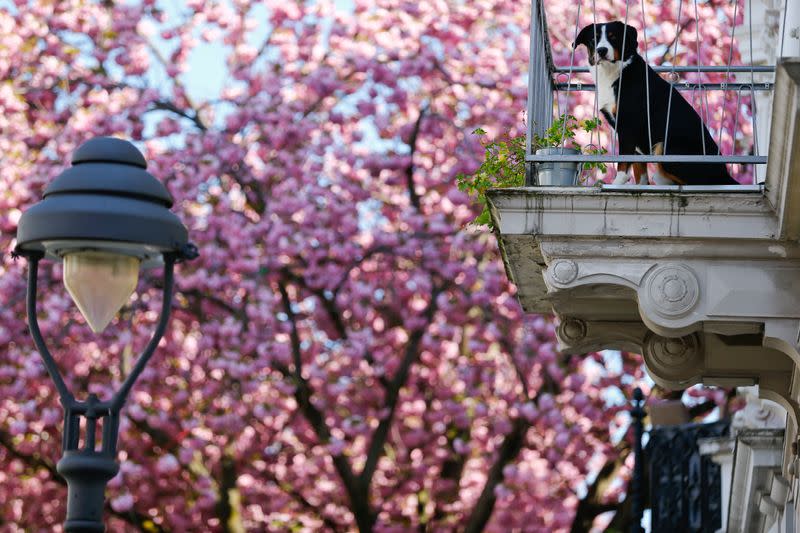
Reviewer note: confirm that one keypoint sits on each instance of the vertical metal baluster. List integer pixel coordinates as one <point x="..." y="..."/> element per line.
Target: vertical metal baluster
<point x="559" y="93"/>
<point x="704" y="102"/>
<point x="647" y="82"/>
<point x="619" y="94"/>
<point x="569" y="79"/>
<point x="540" y="70"/>
<point x="673" y="76"/>
<point x="539" y="62"/>
<point x="699" y="74"/>
<point x="728" y="79"/>
<point x="596" y="110"/>
<point x="547" y="83"/>
<point x="539" y="85"/>
<point x="531" y="83"/>
<point x="753" y="105"/>
<point x="736" y="119"/>
<point x="546" y="79"/>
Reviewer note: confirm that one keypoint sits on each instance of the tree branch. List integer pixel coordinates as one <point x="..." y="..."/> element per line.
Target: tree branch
<point x="590" y="506"/>
<point x="356" y="491"/>
<point x="375" y="450"/>
<point x="329" y="305"/>
<point x="289" y="490"/>
<point x="668" y="52"/>
<point x="163" y="105"/>
<point x="171" y="107"/>
<point x="367" y="255"/>
<point x="412" y="144"/>
<point x="509" y="449"/>
<point x="228" y="506"/>
<point x="240" y="314"/>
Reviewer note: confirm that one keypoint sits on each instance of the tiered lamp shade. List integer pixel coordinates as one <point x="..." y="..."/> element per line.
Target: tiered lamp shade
<point x="106" y="217"/>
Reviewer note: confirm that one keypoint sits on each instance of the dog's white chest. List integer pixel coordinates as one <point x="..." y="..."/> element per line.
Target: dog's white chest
<point x="605" y="74"/>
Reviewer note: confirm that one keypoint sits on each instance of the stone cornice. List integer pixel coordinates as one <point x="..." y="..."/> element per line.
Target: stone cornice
<point x="648" y="213"/>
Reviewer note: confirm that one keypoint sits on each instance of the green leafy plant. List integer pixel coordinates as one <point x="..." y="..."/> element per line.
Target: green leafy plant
<point x="503" y="164"/>
<point x="562" y="133"/>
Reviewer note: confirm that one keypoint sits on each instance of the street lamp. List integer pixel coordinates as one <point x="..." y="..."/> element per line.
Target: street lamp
<point x="105" y="217"/>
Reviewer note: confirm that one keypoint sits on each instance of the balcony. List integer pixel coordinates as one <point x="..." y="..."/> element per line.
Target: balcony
<point x="739" y="138"/>
<point x="704" y="281"/>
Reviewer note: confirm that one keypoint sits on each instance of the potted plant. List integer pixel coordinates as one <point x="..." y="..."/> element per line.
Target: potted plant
<point x="559" y="139"/>
<point x="504" y="161"/>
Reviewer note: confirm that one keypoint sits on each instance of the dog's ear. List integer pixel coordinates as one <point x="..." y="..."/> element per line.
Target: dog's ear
<point x="585" y="37"/>
<point x="631" y="39"/>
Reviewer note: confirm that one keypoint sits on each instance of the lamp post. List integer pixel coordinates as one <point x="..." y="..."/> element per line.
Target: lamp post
<point x="637" y="480"/>
<point x="106" y="217"/>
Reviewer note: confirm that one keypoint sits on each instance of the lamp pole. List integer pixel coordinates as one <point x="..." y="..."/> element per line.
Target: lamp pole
<point x="105" y="217"/>
<point x="637" y="480"/>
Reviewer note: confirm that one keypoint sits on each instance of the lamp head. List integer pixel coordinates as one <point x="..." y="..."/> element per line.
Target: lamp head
<point x="106" y="217"/>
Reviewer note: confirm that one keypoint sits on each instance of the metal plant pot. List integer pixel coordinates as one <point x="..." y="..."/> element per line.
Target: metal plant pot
<point x="557" y="173"/>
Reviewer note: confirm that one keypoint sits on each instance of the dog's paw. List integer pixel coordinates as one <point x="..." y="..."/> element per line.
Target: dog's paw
<point x="660" y="179"/>
<point x="621" y="178"/>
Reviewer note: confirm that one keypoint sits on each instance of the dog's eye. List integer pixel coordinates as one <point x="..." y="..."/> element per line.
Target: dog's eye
<point x="610" y="34"/>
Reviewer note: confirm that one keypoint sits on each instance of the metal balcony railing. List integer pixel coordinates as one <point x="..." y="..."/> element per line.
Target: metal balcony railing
<point x="553" y="90"/>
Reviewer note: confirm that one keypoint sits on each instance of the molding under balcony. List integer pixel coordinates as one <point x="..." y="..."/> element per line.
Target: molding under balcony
<point x="704" y="282"/>
<point x="756" y="466"/>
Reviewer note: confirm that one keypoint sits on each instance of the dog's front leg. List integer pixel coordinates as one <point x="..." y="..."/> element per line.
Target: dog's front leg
<point x="622" y="176"/>
<point x="640" y="173"/>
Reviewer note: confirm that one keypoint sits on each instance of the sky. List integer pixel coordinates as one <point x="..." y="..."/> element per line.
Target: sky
<point x="206" y="73"/>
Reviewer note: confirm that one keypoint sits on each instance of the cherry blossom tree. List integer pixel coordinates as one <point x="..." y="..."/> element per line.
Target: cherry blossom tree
<point x="346" y="354"/>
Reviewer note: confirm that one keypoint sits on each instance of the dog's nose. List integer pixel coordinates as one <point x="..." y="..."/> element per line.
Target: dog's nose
<point x="602" y="52"/>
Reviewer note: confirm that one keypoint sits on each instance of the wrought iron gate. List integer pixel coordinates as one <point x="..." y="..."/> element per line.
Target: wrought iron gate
<point x="685" y="487"/>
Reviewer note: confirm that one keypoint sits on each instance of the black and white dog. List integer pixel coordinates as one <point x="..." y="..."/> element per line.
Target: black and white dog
<point x="612" y="49"/>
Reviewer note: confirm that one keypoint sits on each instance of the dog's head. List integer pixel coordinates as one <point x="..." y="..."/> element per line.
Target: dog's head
<point x="609" y="41"/>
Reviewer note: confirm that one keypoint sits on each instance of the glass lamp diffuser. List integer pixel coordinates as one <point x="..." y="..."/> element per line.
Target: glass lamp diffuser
<point x="100" y="283"/>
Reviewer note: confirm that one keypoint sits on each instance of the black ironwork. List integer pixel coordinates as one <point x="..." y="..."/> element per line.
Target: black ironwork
<point x="685" y="487"/>
<point x="637" y="481"/>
